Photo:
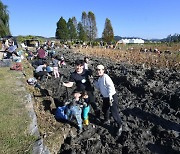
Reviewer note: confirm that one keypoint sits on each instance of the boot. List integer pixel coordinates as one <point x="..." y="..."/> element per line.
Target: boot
<point x="97" y="113"/>
<point x="79" y="131"/>
<point x="119" y="131"/>
<point x="86" y="122"/>
<point x="106" y="122"/>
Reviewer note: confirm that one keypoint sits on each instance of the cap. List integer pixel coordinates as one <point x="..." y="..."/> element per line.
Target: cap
<point x="77" y="90"/>
<point x="100" y="67"/>
<point x="79" y="62"/>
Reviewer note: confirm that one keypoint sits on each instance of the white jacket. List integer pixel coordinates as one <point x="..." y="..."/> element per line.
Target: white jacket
<point x="106" y="86"/>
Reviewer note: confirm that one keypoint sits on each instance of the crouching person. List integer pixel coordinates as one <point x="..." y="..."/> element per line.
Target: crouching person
<point x="41" y="71"/>
<point x="75" y="109"/>
<point x="86" y="107"/>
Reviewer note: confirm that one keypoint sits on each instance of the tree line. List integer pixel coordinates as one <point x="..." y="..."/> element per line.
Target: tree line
<point x="84" y="30"/>
<point x="172" y="38"/>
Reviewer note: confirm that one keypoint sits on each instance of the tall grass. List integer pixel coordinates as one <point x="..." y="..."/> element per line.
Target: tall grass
<point x="131" y="54"/>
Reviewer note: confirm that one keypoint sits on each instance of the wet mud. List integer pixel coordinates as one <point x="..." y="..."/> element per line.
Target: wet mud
<point x="149" y="104"/>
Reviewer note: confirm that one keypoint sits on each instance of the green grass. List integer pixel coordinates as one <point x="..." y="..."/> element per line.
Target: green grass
<point x="14" y="120"/>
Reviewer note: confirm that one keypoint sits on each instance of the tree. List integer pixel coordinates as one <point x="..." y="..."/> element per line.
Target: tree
<point x="62" y="30"/>
<point x="108" y="34"/>
<point x="81" y="32"/>
<point x="84" y="22"/>
<point x="92" y="29"/>
<point x="4" y="20"/>
<point x="75" y="22"/>
<point x="71" y="30"/>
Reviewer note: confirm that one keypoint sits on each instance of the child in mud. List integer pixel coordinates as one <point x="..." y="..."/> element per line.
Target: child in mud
<point x="56" y="64"/>
<point x="75" y="109"/>
<point x="86" y="63"/>
<point x="86" y="107"/>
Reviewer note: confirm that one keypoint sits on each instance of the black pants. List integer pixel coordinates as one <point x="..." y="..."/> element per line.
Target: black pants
<point x="106" y="109"/>
<point x="92" y="101"/>
<point x="41" y="74"/>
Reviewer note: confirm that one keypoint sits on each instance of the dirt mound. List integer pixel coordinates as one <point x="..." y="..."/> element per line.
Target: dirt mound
<point x="149" y="103"/>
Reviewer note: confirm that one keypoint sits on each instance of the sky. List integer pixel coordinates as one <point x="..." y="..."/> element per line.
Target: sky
<point x="148" y="19"/>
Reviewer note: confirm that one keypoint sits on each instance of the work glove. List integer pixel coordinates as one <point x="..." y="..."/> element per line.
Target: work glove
<point x="111" y="101"/>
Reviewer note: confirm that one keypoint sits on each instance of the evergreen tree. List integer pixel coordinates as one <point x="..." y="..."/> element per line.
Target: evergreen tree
<point x="4" y="20"/>
<point x="92" y="29"/>
<point x="75" y="22"/>
<point x="71" y="30"/>
<point x="108" y="34"/>
<point x="81" y="32"/>
<point x="62" y="30"/>
<point x="84" y="22"/>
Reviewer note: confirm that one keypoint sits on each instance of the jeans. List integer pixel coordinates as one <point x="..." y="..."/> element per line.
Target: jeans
<point x="76" y="112"/>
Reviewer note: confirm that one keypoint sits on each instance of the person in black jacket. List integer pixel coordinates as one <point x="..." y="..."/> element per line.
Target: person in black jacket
<point x="81" y="78"/>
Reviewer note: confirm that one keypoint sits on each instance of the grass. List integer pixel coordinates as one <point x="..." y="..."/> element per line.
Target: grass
<point x="131" y="54"/>
<point x="52" y="131"/>
<point x="14" y="120"/>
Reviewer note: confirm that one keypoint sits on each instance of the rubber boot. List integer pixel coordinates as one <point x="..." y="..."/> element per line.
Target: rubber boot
<point x="86" y="122"/>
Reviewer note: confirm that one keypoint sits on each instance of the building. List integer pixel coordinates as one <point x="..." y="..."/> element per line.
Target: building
<point x="126" y="41"/>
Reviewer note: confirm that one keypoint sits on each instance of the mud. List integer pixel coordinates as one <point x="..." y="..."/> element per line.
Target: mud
<point x="149" y="104"/>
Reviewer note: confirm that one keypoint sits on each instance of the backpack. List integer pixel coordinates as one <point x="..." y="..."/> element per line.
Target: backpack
<point x="61" y="113"/>
<point x="32" y="81"/>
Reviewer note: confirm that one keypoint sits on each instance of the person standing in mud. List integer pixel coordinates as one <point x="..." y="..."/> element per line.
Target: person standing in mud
<point x="110" y="100"/>
<point x="86" y="61"/>
<point x="81" y="78"/>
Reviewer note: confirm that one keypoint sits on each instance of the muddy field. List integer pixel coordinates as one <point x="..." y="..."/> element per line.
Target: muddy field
<point x="149" y="104"/>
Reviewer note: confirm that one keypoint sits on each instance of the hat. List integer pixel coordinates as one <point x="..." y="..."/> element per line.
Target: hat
<point x="77" y="90"/>
<point x="79" y="62"/>
<point x="100" y="67"/>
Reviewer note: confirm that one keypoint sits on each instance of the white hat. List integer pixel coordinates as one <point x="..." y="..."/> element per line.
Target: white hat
<point x="100" y="67"/>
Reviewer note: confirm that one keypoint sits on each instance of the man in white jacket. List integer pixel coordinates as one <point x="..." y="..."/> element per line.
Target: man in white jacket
<point x="110" y="100"/>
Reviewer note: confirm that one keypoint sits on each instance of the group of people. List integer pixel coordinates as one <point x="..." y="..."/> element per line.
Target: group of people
<point x="84" y="92"/>
<point x="44" y="67"/>
<point x="83" y="95"/>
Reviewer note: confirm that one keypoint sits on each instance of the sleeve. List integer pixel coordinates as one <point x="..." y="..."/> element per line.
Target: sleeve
<point x="71" y="78"/>
<point x="110" y="86"/>
<point x="44" y="68"/>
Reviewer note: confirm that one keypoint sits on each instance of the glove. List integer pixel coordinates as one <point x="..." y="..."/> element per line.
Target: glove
<point x="111" y="101"/>
<point x="85" y="104"/>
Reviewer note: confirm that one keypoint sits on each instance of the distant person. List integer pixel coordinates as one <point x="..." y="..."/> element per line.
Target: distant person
<point x="110" y="100"/>
<point x="62" y="61"/>
<point x="41" y="53"/>
<point x="41" y="71"/>
<point x="86" y="63"/>
<point x="11" y="50"/>
<point x="56" y="65"/>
